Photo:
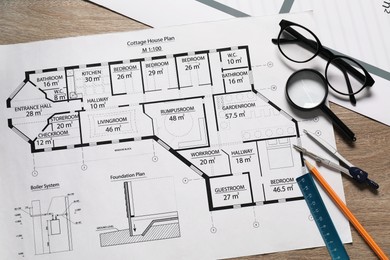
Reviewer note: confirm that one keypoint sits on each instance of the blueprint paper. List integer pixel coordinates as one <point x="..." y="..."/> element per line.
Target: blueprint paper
<point x="155" y="144"/>
<point x="356" y="28"/>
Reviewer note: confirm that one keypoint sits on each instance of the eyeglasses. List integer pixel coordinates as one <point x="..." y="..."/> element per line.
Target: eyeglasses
<point x="343" y="74"/>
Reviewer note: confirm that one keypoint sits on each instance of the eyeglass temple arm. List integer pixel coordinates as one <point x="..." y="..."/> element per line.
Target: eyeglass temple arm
<point x="349" y="86"/>
<point x="345" y="67"/>
<point x="309" y="43"/>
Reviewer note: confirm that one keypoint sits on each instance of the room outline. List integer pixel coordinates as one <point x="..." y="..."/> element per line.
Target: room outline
<point x="192" y="104"/>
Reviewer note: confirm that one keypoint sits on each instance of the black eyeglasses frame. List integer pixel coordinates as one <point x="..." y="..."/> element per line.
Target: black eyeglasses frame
<point x="319" y="50"/>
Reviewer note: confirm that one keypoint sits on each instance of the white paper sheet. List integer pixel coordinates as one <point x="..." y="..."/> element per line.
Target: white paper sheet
<point x="165" y="13"/>
<point x="355" y="28"/>
<point x="177" y="149"/>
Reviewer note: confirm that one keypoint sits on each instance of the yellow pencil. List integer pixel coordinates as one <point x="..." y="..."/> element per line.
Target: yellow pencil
<point x="347" y="213"/>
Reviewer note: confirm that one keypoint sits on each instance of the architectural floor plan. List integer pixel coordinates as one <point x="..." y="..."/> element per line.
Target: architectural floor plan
<point x="215" y="123"/>
<point x="163" y="147"/>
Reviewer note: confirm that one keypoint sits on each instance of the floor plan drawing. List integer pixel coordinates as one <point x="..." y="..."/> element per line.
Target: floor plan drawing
<point x="177" y="148"/>
<point x="194" y="104"/>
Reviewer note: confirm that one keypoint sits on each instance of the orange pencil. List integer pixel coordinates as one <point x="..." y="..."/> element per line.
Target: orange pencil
<point x="347" y="213"/>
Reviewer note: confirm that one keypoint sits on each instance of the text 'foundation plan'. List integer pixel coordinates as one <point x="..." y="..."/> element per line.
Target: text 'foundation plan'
<point x="158" y="144"/>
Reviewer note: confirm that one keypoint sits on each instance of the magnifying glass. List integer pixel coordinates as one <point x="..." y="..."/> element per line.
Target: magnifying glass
<point x="307" y="90"/>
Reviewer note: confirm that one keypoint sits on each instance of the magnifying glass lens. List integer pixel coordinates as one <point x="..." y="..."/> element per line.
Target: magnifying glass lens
<point x="306" y="89"/>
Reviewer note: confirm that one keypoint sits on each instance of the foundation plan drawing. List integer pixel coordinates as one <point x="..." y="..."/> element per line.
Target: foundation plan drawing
<point x="151" y="145"/>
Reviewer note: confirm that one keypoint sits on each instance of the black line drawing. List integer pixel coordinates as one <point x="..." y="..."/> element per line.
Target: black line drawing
<point x="201" y="106"/>
<point x="150" y="218"/>
<point x="52" y="228"/>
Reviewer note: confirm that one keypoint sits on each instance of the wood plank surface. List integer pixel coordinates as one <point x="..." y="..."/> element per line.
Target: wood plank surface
<point x="33" y="20"/>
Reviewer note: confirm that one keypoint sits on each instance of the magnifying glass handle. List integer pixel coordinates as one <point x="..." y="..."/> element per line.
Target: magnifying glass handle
<point x="339" y="124"/>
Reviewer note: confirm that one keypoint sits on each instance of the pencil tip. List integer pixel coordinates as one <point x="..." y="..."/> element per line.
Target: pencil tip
<point x="308" y="165"/>
<point x="305" y="131"/>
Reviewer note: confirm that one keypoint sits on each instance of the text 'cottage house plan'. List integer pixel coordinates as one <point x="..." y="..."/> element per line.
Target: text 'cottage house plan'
<point x="201" y="106"/>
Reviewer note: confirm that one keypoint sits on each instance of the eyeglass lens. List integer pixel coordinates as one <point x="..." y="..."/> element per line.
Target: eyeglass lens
<point x="342" y="77"/>
<point x="297" y="44"/>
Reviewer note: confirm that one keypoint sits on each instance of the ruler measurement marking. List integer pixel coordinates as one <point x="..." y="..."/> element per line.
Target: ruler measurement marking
<point x="321" y="217"/>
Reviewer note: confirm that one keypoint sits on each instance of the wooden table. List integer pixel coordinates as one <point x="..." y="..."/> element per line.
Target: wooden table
<point x="34" y="20"/>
